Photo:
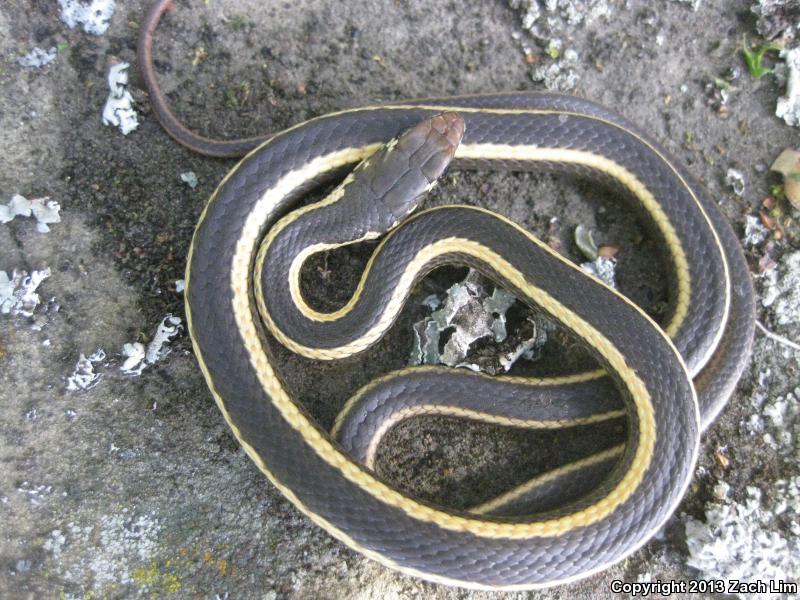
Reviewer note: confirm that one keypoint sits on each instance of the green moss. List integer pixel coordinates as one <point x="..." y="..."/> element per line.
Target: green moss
<point x="237" y="22"/>
<point x="776" y="191"/>
<point x="237" y="97"/>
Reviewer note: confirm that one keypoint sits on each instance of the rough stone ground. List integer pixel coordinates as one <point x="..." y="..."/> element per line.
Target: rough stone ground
<point x="135" y="488"/>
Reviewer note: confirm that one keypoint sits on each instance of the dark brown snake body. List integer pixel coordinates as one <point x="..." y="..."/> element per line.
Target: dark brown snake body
<point x="242" y="283"/>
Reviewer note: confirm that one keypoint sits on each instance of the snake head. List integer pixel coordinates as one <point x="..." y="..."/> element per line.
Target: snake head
<point x="405" y="168"/>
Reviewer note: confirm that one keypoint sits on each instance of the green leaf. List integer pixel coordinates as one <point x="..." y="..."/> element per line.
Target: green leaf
<point x="753" y="59"/>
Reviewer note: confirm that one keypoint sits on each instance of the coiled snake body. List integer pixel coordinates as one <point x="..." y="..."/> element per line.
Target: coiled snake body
<point x="243" y="280"/>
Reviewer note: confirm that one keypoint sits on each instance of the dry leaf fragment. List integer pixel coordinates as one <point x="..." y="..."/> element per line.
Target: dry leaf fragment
<point x="722" y="460"/>
<point x="788" y="165"/>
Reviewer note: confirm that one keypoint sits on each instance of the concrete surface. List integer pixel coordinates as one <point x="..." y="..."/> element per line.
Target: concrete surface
<point x="135" y="488"/>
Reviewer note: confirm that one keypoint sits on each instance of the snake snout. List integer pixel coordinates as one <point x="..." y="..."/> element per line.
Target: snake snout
<point x="443" y="137"/>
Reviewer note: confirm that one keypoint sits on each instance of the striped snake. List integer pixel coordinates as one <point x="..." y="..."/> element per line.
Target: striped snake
<point x="243" y="293"/>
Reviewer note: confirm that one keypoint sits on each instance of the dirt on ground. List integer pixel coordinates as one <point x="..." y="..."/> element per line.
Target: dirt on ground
<point x="135" y="487"/>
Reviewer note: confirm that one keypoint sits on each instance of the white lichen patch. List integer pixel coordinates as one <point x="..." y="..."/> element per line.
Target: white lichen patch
<point x="760" y="538"/>
<point x="776" y="420"/>
<point x="93" y="15"/>
<point x="18" y="294"/>
<point x="744" y="541"/>
<point x="781" y="290"/>
<point x="559" y="75"/>
<point x="549" y="23"/>
<point x="190" y="179"/>
<point x="526" y="348"/>
<point x="545" y="18"/>
<point x="467" y="314"/>
<point x="755" y="534"/>
<point x="734" y="178"/>
<point x="134" y="358"/>
<point x="138" y="356"/>
<point x="84" y="376"/>
<point x="44" y="210"/>
<point x="604" y="268"/>
<point x="111" y="549"/>
<point x="38" y="58"/>
<point x="788" y="107"/>
<point x="425" y="350"/>
<point x="125" y="542"/>
<point x="55" y="543"/>
<point x="782" y="413"/>
<point x="754" y="231"/>
<point x="35" y="493"/>
<point x="118" y="110"/>
<point x="464" y="311"/>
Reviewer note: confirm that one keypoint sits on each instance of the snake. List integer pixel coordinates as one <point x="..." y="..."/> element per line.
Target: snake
<point x="668" y="381"/>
